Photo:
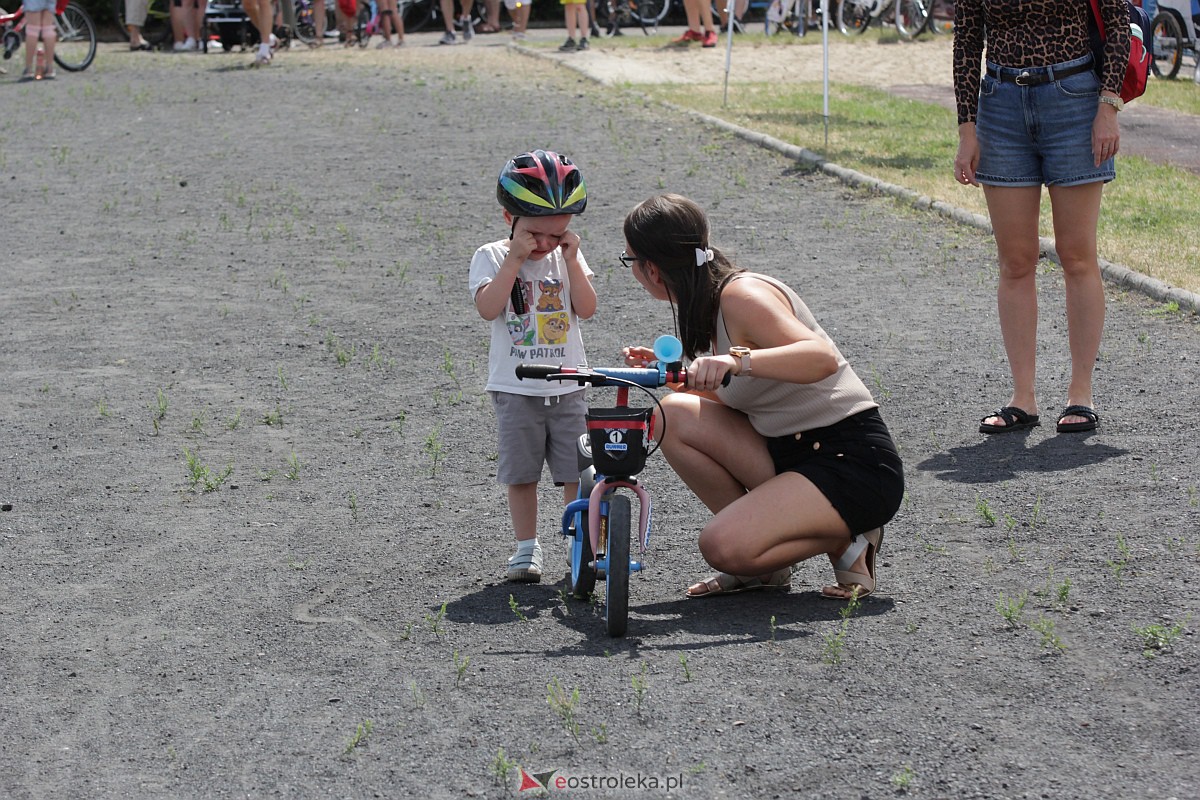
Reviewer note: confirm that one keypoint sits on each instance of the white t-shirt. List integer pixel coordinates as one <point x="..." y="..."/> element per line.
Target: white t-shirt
<point x="547" y="333"/>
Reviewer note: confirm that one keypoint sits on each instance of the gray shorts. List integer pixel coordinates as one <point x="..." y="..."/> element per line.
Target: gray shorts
<point x="533" y="433"/>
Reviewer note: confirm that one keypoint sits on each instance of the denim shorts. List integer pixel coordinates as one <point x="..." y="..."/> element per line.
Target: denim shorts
<point x="539" y="430"/>
<point x="1034" y="135"/>
<point x="39" y="5"/>
<point x="853" y="463"/>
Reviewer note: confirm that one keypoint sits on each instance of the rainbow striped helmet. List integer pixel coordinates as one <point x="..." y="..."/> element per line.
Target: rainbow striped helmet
<point x="541" y="184"/>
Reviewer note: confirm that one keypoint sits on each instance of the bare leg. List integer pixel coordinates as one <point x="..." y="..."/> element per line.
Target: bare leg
<point x="49" y="39"/>
<point x="318" y="10"/>
<point x="1076" y="211"/>
<point x="1014" y="215"/>
<point x="523" y="507"/>
<point x="762" y="522"/>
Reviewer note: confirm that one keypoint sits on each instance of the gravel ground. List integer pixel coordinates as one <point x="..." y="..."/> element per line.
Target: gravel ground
<point x="251" y="542"/>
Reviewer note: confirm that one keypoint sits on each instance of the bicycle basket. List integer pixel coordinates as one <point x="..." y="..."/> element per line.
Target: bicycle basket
<point x="618" y="438"/>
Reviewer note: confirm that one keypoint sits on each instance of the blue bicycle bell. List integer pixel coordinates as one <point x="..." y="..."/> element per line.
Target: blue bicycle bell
<point x="668" y="349"/>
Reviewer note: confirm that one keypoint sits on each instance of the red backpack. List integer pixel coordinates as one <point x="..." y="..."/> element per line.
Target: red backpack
<point x="1137" y="69"/>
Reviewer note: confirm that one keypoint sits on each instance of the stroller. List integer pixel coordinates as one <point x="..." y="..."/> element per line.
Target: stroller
<point x="231" y="24"/>
<point x="227" y="18"/>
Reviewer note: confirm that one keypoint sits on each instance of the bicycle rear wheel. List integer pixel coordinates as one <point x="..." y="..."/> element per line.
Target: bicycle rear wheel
<point x="649" y="12"/>
<point x="76" y="39"/>
<point x="616" y="577"/>
<point x="911" y="17"/>
<point x="416" y="14"/>
<point x="853" y="17"/>
<point x="361" y="20"/>
<point x="1168" y="45"/>
<point x="157" y="27"/>
<point x="306" y="22"/>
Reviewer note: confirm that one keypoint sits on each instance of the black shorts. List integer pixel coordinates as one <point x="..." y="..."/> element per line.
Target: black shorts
<point x="853" y="463"/>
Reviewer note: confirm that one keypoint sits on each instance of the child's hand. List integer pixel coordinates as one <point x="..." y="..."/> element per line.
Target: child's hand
<point x="638" y="356"/>
<point x="569" y="245"/>
<point x="523" y="242"/>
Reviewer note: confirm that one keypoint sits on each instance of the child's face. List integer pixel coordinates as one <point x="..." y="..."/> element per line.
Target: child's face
<point x="547" y="232"/>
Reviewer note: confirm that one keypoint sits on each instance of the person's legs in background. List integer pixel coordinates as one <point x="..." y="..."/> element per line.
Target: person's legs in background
<point x="1014" y="215"/>
<point x="135" y="18"/>
<point x="1076" y="211"/>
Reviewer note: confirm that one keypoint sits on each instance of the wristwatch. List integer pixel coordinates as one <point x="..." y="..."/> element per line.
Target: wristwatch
<point x="1115" y="102"/>
<point x="742" y="354"/>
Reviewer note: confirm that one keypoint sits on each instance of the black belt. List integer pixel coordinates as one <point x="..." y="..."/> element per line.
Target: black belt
<point x="1028" y="78"/>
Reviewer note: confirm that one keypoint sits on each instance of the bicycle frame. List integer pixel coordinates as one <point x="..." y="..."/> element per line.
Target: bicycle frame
<point x="623" y="432"/>
<point x="598" y="506"/>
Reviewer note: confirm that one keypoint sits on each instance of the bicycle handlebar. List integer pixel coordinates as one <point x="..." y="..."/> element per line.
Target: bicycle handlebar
<point x="651" y="377"/>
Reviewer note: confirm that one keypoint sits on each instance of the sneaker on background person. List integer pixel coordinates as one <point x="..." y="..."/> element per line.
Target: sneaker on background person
<point x="447" y="38"/>
<point x="709" y="39"/>
<point x="568" y="46"/>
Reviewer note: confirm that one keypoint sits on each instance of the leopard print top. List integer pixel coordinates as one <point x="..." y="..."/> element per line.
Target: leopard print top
<point x="1032" y="33"/>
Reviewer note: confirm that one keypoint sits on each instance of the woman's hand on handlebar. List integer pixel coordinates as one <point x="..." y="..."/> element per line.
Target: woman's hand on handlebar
<point x="707" y="373"/>
<point x="639" y="357"/>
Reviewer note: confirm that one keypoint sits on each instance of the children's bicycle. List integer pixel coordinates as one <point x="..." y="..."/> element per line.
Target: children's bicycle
<point x="1176" y="29"/>
<point x="76" y="47"/>
<point x="597" y="524"/>
<point x="908" y="16"/>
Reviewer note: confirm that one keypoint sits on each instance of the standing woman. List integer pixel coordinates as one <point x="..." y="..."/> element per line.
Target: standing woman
<point x="1038" y="114"/>
<point x="792" y="457"/>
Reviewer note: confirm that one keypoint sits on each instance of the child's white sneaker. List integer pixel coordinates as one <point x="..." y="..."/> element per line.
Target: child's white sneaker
<point x="525" y="565"/>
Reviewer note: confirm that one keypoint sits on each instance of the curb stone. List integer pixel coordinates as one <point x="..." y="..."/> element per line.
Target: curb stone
<point x="1113" y="273"/>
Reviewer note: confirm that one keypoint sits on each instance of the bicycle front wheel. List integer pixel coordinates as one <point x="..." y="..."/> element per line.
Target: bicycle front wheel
<point x="583" y="562"/>
<point x="1168" y="45"/>
<point x="76" y="39"/>
<point x="853" y="17"/>
<point x="911" y="17"/>
<point x="649" y="12"/>
<point x="616" y="577"/>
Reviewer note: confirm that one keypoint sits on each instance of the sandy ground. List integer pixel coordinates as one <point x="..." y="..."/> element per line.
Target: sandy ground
<point x="251" y="542"/>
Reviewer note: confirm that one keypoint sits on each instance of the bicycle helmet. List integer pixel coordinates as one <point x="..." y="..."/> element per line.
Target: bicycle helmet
<point x="541" y="184"/>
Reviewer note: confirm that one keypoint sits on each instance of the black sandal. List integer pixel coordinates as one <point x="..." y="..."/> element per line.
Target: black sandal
<point x="1092" y="419"/>
<point x="1014" y="420"/>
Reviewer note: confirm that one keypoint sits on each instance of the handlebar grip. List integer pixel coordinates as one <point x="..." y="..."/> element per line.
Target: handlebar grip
<point x="680" y="376"/>
<point x="540" y="372"/>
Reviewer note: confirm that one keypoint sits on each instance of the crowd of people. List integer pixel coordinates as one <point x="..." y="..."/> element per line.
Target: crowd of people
<point x="187" y="20"/>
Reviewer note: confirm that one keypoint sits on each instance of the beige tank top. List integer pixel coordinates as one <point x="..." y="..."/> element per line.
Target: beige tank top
<point x="776" y="408"/>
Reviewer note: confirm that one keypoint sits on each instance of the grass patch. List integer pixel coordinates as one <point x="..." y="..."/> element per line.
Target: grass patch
<point x="912" y="144"/>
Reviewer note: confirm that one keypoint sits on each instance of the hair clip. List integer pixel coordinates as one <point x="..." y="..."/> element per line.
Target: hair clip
<point x="703" y="256"/>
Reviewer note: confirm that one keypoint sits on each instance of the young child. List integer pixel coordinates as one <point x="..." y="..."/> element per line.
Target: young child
<point x="391" y="25"/>
<point x="535" y="287"/>
<point x="518" y="11"/>
<point x="39" y="19"/>
<point x="575" y="15"/>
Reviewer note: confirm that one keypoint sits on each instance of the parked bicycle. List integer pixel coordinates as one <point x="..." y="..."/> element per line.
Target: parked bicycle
<point x="420" y="14"/>
<point x="1175" y="29"/>
<point x="598" y="523"/>
<point x="76" y="47"/>
<point x="612" y="15"/>
<point x="908" y="16"/>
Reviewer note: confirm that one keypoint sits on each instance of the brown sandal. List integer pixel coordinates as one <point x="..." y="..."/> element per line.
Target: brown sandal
<point x="870" y="541"/>
<point x="724" y="583"/>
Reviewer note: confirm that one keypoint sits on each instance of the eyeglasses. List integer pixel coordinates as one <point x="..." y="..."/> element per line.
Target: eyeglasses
<point x="629" y="260"/>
